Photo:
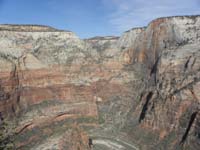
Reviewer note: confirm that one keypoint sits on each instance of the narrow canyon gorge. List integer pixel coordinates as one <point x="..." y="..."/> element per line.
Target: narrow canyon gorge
<point x="139" y="91"/>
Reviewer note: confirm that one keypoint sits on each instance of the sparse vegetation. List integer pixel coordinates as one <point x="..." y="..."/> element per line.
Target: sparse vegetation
<point x="6" y="136"/>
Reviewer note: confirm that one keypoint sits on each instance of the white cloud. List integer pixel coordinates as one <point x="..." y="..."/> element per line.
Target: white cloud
<point x="126" y="14"/>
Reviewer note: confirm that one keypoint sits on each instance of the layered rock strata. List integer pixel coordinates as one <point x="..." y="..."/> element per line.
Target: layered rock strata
<point x="141" y="87"/>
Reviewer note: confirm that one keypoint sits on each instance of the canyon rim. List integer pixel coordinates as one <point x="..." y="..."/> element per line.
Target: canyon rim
<point x="139" y="91"/>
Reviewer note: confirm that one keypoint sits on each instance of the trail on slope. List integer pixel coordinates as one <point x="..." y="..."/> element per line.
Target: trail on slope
<point x="105" y="143"/>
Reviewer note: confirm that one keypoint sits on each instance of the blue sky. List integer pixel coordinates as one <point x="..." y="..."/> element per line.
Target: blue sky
<point x="88" y="18"/>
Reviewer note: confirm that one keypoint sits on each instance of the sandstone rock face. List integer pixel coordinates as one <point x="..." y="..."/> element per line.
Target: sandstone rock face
<point x="127" y="40"/>
<point x="137" y="91"/>
<point x="170" y="105"/>
<point x="106" y="47"/>
<point x="40" y="84"/>
<point x="51" y="79"/>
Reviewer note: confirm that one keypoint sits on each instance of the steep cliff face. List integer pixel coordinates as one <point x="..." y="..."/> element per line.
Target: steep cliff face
<point x="137" y="91"/>
<point x="39" y="83"/>
<point x="170" y="106"/>
<point x="164" y="33"/>
<point x="51" y="79"/>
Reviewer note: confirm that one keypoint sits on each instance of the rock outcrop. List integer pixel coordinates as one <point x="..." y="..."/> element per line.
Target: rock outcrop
<point x="141" y="87"/>
<point x="40" y="84"/>
<point x="169" y="50"/>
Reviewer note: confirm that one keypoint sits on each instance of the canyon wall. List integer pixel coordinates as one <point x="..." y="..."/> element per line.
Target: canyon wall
<point x="169" y="106"/>
<point x="142" y="86"/>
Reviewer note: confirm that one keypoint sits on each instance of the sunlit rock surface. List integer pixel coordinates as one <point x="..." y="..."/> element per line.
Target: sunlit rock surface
<point x="137" y="91"/>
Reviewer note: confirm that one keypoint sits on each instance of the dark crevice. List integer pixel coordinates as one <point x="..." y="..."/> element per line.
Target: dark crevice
<point x="1" y="117"/>
<point x="186" y="64"/>
<point x="145" y="107"/>
<point x="192" y="118"/>
<point x="154" y="70"/>
<point x="24" y="128"/>
<point x="61" y="114"/>
<point x="18" y="98"/>
<point x="13" y="109"/>
<point x="155" y="66"/>
<point x="198" y="135"/>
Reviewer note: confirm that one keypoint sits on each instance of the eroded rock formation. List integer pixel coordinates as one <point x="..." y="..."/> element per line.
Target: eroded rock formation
<point x="141" y="87"/>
